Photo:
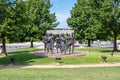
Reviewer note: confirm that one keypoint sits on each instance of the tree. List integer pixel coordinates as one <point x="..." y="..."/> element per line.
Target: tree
<point x="22" y="20"/>
<point x="40" y="19"/>
<point x="15" y="20"/>
<point x="118" y="38"/>
<point x="110" y="18"/>
<point x="84" y="19"/>
<point x="2" y="26"/>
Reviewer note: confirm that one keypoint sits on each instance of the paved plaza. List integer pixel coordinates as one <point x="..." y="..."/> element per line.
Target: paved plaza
<point x="63" y="66"/>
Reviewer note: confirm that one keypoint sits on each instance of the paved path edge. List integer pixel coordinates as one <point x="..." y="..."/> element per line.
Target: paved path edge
<point x="63" y="66"/>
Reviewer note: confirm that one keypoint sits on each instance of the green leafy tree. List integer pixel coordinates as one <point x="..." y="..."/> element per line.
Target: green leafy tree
<point x="110" y="18"/>
<point x="14" y="22"/>
<point x="40" y="19"/>
<point x="84" y="19"/>
<point x="118" y="37"/>
<point x="25" y="20"/>
<point x="2" y="25"/>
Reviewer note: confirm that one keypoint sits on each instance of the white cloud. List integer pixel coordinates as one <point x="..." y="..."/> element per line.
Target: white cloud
<point x="62" y="18"/>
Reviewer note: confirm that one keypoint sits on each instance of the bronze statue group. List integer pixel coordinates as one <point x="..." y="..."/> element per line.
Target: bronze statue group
<point x="61" y="43"/>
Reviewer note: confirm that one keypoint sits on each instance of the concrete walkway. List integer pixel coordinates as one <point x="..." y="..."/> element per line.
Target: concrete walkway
<point x="62" y="66"/>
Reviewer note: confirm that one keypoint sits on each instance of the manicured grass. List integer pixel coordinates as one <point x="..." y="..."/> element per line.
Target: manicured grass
<point x="93" y="55"/>
<point x="96" y="50"/>
<point x="24" y="57"/>
<point x="108" y="73"/>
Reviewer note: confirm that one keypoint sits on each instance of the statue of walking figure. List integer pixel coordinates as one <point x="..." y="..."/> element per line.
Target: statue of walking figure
<point x="73" y="41"/>
<point x="63" y="46"/>
<point x="57" y="41"/>
<point x="48" y="43"/>
<point x="69" y="43"/>
<point x="45" y="42"/>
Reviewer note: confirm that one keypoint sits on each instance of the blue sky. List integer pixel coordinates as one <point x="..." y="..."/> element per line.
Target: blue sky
<point x="62" y="9"/>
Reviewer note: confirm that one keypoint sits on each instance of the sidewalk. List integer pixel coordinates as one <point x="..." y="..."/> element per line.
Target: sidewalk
<point x="63" y="66"/>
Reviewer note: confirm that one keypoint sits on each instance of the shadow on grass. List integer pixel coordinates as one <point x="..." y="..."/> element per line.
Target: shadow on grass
<point x="109" y="51"/>
<point x="22" y="57"/>
<point x="24" y="50"/>
<point x="106" y="51"/>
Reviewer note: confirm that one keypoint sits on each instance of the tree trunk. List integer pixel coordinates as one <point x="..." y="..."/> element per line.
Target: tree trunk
<point x="89" y="44"/>
<point x="31" y="44"/>
<point x="3" y="46"/>
<point x="115" y="42"/>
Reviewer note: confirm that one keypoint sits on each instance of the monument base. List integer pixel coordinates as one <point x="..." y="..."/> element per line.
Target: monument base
<point x="43" y="54"/>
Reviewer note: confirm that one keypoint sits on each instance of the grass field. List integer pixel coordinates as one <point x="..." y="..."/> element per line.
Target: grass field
<point x="108" y="73"/>
<point x="93" y="55"/>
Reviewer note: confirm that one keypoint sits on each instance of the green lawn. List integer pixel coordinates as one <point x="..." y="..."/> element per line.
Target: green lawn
<point x="108" y="73"/>
<point x="93" y="55"/>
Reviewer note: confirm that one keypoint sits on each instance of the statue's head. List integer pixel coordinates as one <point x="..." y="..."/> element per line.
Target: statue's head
<point x="72" y="34"/>
<point x="62" y="35"/>
<point x="50" y="34"/>
<point x="47" y="34"/>
<point x="67" y="34"/>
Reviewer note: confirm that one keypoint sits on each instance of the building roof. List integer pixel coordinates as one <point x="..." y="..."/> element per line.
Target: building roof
<point x="60" y="31"/>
